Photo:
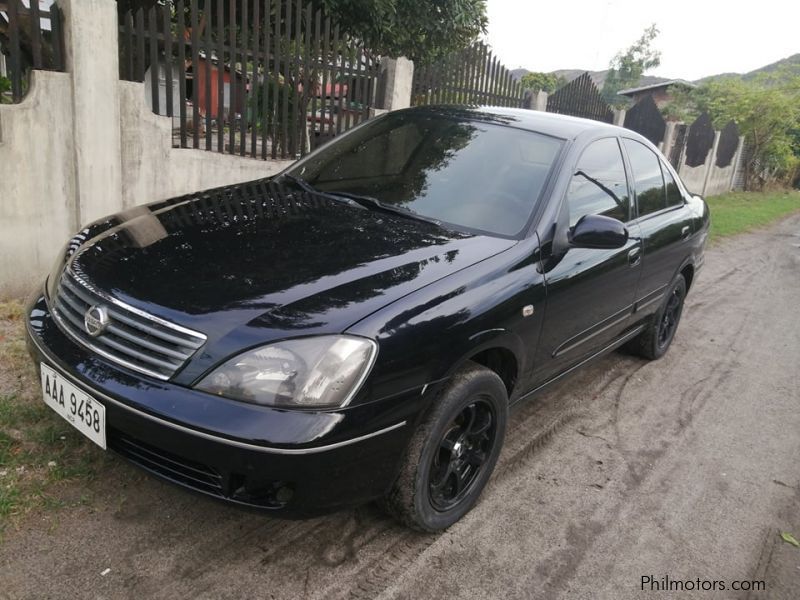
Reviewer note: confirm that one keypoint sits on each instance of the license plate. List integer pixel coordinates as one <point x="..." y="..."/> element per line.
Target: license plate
<point x="82" y="411"/>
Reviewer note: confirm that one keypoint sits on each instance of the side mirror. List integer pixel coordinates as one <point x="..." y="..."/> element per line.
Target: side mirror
<point x="599" y="232"/>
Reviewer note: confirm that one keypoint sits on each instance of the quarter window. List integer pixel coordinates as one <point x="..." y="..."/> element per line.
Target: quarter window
<point x="598" y="186"/>
<point x="647" y="177"/>
<point x="674" y="196"/>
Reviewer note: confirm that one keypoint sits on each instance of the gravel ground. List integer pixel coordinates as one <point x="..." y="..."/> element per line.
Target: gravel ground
<point x="686" y="467"/>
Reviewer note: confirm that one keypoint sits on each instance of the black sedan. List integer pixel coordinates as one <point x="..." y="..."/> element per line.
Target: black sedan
<point x="357" y="327"/>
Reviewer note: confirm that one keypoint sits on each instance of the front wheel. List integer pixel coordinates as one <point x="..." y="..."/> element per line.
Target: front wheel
<point x="453" y="453"/>
<point x="654" y="341"/>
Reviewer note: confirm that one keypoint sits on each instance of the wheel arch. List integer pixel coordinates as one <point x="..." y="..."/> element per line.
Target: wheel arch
<point x="687" y="270"/>
<point x="500" y="351"/>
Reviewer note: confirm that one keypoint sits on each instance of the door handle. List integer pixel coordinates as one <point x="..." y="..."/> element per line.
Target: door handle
<point x="634" y="256"/>
<point x="686" y="232"/>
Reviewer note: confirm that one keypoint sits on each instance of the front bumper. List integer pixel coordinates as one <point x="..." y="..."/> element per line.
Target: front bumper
<point x="291" y="462"/>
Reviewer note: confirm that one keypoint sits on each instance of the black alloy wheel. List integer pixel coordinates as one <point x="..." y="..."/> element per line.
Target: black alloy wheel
<point x="655" y="339"/>
<point x="452" y="453"/>
<point x="670" y="317"/>
<point x="462" y="453"/>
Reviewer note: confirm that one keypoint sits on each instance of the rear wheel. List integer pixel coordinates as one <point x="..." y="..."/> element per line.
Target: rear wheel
<point x="654" y="341"/>
<point x="453" y="453"/>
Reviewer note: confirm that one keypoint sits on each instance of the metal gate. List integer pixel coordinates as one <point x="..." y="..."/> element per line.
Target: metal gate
<point x="580" y="98"/>
<point x="263" y="78"/>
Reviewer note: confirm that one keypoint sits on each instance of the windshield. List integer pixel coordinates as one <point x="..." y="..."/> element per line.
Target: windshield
<point x="463" y="172"/>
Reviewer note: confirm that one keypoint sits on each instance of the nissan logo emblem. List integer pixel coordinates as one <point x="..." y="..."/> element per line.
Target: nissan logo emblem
<point x="96" y="320"/>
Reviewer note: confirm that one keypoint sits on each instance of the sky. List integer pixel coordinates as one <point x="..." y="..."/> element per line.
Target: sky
<point x="698" y="37"/>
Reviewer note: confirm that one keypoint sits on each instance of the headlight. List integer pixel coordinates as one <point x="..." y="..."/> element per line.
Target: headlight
<point x="313" y="372"/>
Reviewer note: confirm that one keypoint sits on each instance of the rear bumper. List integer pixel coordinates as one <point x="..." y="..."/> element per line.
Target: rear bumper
<point x="290" y="462"/>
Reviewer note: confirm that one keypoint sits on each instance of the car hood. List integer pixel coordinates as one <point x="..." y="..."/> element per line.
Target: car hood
<point x="264" y="261"/>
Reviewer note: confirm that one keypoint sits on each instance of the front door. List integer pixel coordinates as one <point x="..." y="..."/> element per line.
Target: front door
<point x="590" y="293"/>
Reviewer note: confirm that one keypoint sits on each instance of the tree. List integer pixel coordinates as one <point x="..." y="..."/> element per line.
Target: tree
<point x="627" y="68"/>
<point x="767" y="115"/>
<point x="682" y="104"/>
<point x="418" y="29"/>
<point x="545" y="82"/>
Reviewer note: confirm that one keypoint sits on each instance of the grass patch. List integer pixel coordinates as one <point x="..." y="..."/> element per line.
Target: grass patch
<point x="39" y="451"/>
<point x="738" y="212"/>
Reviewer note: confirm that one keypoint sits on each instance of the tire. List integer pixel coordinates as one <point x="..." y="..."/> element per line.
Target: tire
<point x="440" y="480"/>
<point x="655" y="340"/>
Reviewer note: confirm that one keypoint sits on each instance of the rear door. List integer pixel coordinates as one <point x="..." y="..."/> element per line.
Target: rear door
<point x="664" y="221"/>
<point x="590" y="292"/>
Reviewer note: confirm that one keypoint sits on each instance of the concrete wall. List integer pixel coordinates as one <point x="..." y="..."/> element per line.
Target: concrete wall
<point x="37" y="181"/>
<point x="719" y="179"/>
<point x="708" y="179"/>
<point x="153" y="170"/>
<point x="693" y="177"/>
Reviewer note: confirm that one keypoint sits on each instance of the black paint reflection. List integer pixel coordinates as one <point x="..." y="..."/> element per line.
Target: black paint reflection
<point x="250" y="246"/>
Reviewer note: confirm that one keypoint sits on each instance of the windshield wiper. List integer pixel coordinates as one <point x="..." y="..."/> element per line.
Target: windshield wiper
<point x="367" y="202"/>
<point x="307" y="187"/>
<point x="300" y="182"/>
<point x="374" y="204"/>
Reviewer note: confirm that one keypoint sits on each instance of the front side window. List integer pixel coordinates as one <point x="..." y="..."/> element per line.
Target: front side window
<point x="647" y="177"/>
<point x="598" y="186"/>
<point x="462" y="170"/>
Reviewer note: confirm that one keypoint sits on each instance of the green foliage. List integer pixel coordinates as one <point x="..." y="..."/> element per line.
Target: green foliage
<point x="38" y="449"/>
<point x="5" y="88"/>
<point x="766" y="108"/>
<point x="418" y="29"/>
<point x="790" y="539"/>
<point x="546" y="82"/>
<point x="767" y="113"/>
<point x="278" y="94"/>
<point x="682" y="105"/>
<point x="627" y="67"/>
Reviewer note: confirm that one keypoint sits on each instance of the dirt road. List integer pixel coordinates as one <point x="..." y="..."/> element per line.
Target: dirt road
<point x="688" y="467"/>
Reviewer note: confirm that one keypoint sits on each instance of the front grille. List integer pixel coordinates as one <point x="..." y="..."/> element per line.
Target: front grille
<point x="132" y="338"/>
<point x="189" y="473"/>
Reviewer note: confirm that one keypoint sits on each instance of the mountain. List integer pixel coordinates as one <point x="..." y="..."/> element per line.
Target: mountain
<point x="790" y="65"/>
<point x="599" y="77"/>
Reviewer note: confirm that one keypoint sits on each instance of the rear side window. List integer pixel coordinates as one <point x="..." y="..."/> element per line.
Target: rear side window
<point x="674" y="196"/>
<point x="598" y="186"/>
<point x="647" y="177"/>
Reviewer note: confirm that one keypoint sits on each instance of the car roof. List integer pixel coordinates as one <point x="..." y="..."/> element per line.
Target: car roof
<point x="552" y="124"/>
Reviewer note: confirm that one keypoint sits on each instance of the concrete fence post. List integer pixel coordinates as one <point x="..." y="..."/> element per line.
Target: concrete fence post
<point x="669" y="138"/>
<point x="619" y="117"/>
<point x="736" y="162"/>
<point x="540" y="101"/>
<point x="397" y="78"/>
<point x="92" y="59"/>
<point x="711" y="161"/>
